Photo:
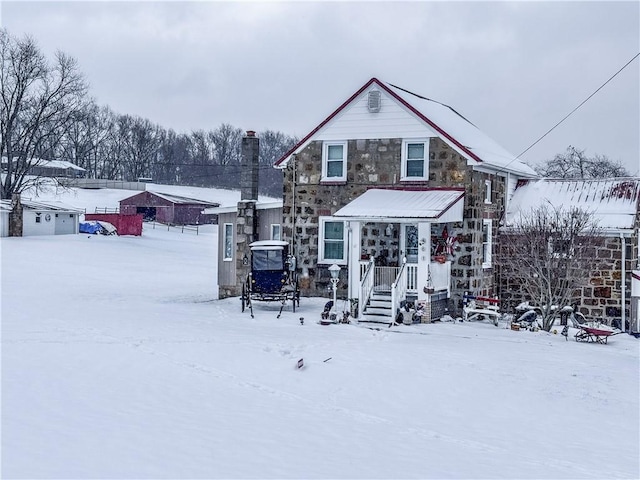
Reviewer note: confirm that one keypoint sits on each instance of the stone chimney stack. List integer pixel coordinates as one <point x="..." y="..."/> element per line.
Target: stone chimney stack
<point x="249" y="165"/>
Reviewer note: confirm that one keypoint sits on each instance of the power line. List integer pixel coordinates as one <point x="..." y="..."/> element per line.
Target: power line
<point x="583" y="102"/>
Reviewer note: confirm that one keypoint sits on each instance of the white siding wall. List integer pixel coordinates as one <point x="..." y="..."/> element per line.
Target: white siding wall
<point x="4" y="224"/>
<point x="66" y="223"/>
<point x="30" y="227"/>
<point x="392" y="121"/>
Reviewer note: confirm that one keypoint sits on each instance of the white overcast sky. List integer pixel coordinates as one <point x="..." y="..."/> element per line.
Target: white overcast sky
<point x="514" y="69"/>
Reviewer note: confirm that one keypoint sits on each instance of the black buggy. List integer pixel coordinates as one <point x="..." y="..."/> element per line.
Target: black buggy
<point x="272" y="277"/>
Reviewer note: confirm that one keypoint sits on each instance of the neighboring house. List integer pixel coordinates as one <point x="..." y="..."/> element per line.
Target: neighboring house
<point x="43" y="218"/>
<point x="268" y="220"/>
<point x="614" y="204"/>
<point x="168" y="209"/>
<point x="391" y="175"/>
<point x="5" y="209"/>
<point x="250" y="220"/>
<point x="51" y="168"/>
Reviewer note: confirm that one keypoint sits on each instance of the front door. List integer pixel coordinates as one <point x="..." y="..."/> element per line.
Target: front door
<point x="410" y="243"/>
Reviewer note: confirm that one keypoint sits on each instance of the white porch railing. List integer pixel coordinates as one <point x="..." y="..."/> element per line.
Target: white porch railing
<point x="366" y="281"/>
<point x="399" y="288"/>
<point x="385" y="276"/>
<point x="412" y="277"/>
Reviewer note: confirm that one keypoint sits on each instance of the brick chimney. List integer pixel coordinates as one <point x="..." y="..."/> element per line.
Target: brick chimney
<point x="249" y="166"/>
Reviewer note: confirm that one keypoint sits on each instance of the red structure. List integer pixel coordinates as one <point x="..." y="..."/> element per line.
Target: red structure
<point x="125" y="224"/>
<point x="168" y="209"/>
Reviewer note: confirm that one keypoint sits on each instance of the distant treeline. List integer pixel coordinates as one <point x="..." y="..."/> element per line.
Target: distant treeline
<point x="46" y="113"/>
<point x="125" y="147"/>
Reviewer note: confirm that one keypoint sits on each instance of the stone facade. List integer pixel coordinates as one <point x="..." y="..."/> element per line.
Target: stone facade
<point x="377" y="163"/>
<point x="600" y="297"/>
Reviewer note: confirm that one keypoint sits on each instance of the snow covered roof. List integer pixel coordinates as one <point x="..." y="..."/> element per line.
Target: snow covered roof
<point x="614" y="202"/>
<point x="234" y="208"/>
<point x="63" y="164"/>
<point x="177" y="199"/>
<point x="443" y="205"/>
<point x="467" y="139"/>
<point x="51" y="206"/>
<point x="458" y="132"/>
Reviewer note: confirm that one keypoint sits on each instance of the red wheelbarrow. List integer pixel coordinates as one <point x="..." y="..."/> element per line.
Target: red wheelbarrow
<point x="595" y="334"/>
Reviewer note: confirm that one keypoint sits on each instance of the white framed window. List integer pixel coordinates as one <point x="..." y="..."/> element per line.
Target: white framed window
<point x="487" y="191"/>
<point x="275" y="231"/>
<point x="332" y="241"/>
<point x="486" y="242"/>
<point x="415" y="159"/>
<point x="228" y="242"/>
<point x="334" y="161"/>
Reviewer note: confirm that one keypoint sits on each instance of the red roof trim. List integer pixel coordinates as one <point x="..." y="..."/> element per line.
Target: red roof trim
<point x="432" y="124"/>
<point x="416" y="188"/>
<point x="394" y="95"/>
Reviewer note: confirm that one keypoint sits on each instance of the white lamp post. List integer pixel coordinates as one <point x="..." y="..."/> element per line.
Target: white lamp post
<point x="334" y="270"/>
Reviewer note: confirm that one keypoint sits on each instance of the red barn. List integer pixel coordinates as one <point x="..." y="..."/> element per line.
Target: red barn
<point x="168" y="209"/>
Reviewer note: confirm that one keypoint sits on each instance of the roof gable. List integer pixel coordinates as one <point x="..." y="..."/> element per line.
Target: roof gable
<point x="148" y="195"/>
<point x="421" y="115"/>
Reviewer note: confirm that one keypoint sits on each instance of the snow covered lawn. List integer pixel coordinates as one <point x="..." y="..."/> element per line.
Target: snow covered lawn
<point x="118" y="362"/>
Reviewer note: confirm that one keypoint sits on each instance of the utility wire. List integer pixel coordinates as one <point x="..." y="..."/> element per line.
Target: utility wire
<point x="572" y="111"/>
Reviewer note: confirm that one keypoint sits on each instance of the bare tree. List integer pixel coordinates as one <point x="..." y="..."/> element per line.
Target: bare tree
<point x="141" y="146"/>
<point x="273" y="145"/>
<point x="37" y="105"/>
<point x="574" y="163"/>
<point x="226" y="141"/>
<point x="548" y="253"/>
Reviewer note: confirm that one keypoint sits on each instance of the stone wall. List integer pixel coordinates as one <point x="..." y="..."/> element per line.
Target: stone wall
<point x="377" y="163"/>
<point x="600" y="298"/>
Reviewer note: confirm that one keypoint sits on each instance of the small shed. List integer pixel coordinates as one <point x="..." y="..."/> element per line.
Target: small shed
<point x="5" y="208"/>
<point x="168" y="209"/>
<point x="44" y="218"/>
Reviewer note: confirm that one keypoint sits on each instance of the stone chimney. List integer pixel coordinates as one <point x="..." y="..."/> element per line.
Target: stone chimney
<point x="15" y="216"/>
<point x="249" y="166"/>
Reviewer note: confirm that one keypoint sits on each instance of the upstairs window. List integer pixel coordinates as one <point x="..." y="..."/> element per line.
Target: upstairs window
<point x="334" y="161"/>
<point x="415" y="159"/>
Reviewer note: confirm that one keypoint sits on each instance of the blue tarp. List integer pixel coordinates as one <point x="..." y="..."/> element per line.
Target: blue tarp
<point x="90" y="227"/>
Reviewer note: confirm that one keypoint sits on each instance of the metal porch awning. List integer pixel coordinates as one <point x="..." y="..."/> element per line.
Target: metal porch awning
<point x="434" y="205"/>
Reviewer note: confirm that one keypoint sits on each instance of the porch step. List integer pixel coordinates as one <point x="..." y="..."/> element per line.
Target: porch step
<point x="379" y="306"/>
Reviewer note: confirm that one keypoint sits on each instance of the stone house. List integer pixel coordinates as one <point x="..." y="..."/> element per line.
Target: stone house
<point x="614" y="204"/>
<point x="404" y="194"/>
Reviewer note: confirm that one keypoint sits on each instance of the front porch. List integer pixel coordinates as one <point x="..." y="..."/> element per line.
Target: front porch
<point x="400" y="249"/>
<point x="385" y="288"/>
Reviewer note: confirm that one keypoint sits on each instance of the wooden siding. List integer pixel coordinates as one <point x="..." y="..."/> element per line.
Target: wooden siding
<point x="265" y="219"/>
<point x="392" y="121"/>
<point x="226" y="269"/>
